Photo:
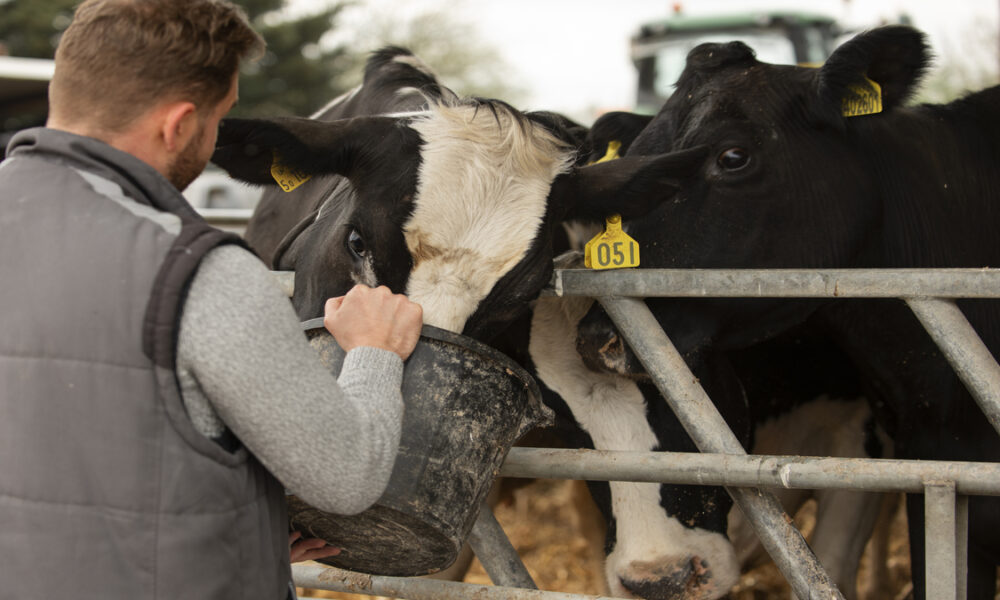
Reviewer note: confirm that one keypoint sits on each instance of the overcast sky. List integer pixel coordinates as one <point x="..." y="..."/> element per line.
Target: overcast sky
<point x="572" y="55"/>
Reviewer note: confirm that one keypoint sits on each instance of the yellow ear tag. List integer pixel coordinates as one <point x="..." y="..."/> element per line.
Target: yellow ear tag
<point x="866" y="99"/>
<point x="613" y="249"/>
<point x="287" y="177"/>
<point x="612" y="152"/>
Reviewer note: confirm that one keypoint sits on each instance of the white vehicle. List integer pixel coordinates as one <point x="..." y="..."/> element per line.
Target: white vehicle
<point x="24" y="99"/>
<point x="24" y="84"/>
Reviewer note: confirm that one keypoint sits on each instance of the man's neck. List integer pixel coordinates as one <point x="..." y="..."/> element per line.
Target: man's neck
<point x="138" y="140"/>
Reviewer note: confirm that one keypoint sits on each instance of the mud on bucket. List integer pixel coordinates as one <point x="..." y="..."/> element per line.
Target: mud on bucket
<point x="465" y="406"/>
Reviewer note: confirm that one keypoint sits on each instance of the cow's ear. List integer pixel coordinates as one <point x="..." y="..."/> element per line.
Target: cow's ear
<point x="248" y="148"/>
<point x="616" y="126"/>
<point x="630" y="186"/>
<point x="894" y="57"/>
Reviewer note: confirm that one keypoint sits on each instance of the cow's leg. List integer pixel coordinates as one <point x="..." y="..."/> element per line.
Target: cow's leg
<point x="844" y="519"/>
<point x="844" y="523"/>
<point x="877" y="584"/>
<point x="749" y="551"/>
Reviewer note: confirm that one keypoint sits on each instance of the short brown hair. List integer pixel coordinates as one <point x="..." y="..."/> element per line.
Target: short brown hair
<point x="119" y="58"/>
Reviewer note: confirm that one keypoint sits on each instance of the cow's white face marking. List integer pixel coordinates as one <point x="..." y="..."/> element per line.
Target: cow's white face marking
<point x="612" y="410"/>
<point x="481" y="196"/>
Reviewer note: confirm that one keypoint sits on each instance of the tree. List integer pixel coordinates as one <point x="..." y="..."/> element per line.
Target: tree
<point x="295" y="76"/>
<point x="965" y="65"/>
<point x="449" y="46"/>
<point x="304" y="66"/>
<point x="31" y="28"/>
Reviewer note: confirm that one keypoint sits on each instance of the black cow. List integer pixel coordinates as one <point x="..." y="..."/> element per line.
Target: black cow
<point x="787" y="180"/>
<point x="452" y="201"/>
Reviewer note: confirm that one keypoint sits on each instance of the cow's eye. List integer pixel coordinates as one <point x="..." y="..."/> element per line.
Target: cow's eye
<point x="734" y="159"/>
<point x="356" y="244"/>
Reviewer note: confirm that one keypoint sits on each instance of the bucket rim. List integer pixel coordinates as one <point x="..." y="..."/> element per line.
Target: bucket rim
<point x="542" y="414"/>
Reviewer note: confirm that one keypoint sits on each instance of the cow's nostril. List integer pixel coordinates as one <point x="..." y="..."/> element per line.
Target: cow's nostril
<point x="676" y="581"/>
<point x="699" y="570"/>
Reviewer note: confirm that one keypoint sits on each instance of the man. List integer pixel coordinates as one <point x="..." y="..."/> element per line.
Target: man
<point x="156" y="395"/>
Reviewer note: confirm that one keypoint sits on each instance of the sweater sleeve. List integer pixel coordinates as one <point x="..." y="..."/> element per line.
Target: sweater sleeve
<point x="243" y="357"/>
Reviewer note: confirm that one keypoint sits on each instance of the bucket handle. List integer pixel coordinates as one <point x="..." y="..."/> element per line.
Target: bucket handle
<point x="537" y="414"/>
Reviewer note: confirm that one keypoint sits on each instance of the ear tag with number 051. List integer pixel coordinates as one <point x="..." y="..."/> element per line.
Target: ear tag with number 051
<point x="613" y="249"/>
<point x="287" y="177"/>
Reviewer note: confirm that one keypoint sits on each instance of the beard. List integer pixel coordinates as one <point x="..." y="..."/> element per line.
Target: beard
<point x="188" y="165"/>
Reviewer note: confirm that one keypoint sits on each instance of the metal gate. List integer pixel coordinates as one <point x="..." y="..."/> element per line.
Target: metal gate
<point x="946" y="485"/>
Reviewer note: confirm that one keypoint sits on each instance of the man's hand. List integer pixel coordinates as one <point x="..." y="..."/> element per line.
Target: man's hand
<point x="309" y="548"/>
<point x="374" y="317"/>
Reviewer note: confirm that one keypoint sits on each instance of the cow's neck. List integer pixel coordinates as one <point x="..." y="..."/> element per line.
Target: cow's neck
<point x="935" y="170"/>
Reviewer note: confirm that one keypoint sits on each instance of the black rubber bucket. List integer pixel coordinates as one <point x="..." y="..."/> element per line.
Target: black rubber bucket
<point x="465" y="406"/>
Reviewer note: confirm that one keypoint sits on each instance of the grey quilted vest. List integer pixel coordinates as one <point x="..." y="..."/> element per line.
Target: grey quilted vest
<point x="106" y="489"/>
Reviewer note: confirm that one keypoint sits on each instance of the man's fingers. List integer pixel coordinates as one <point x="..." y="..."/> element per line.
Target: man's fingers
<point x="333" y="304"/>
<point x="374" y="317"/>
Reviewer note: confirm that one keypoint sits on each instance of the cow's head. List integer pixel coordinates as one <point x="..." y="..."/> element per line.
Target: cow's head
<point x="788" y="181"/>
<point x="455" y="206"/>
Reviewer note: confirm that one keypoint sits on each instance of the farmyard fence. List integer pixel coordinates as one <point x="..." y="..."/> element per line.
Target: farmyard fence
<point x="945" y="485"/>
<point x="930" y="293"/>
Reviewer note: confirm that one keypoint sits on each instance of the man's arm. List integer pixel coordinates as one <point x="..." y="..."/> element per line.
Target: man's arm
<point x="333" y="444"/>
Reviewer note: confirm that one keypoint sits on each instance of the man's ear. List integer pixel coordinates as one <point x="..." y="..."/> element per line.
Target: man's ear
<point x="179" y="125"/>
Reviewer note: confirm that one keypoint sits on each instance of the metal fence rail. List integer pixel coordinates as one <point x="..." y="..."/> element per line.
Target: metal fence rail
<point x="946" y="485"/>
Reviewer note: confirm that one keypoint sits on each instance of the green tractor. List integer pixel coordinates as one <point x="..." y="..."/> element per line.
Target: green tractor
<point x="660" y="48"/>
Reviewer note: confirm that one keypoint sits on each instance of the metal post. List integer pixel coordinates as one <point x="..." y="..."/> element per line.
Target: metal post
<point x="498" y="556"/>
<point x="710" y="433"/>
<point x="318" y="577"/>
<point x="963" y="348"/>
<point x="779" y="283"/>
<point x="940" y="537"/>
<point x="792" y="472"/>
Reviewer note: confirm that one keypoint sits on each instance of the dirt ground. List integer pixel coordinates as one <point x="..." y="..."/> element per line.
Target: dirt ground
<point x="559" y="535"/>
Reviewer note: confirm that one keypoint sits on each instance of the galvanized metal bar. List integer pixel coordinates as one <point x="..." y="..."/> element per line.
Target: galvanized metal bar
<point x="779" y="283"/>
<point x="940" y="540"/>
<point x="499" y="557"/>
<point x="671" y="375"/>
<point x="710" y="433"/>
<point x="793" y="472"/>
<point x="962" y="346"/>
<point x="227" y="217"/>
<point x="415" y="588"/>
<point x="962" y="545"/>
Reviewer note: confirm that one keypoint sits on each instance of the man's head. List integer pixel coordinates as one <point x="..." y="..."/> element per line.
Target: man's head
<point x="128" y="65"/>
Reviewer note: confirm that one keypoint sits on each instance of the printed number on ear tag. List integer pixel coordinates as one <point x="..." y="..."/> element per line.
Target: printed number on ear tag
<point x="865" y="99"/>
<point x="613" y="249"/>
<point x="287" y="177"/>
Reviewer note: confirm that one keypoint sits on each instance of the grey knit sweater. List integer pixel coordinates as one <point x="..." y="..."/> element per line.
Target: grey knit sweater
<point x="243" y="362"/>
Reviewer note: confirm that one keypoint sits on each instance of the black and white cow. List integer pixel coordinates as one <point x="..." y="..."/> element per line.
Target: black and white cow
<point x="787" y="180"/>
<point x="453" y="201"/>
